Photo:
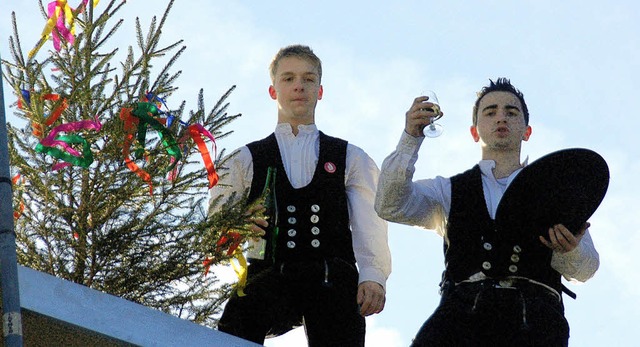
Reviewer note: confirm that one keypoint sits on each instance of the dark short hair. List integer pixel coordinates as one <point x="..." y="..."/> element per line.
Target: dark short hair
<point x="298" y="51"/>
<point x="500" y="85"/>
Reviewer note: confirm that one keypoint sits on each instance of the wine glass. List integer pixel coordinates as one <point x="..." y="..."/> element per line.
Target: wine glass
<point x="433" y="129"/>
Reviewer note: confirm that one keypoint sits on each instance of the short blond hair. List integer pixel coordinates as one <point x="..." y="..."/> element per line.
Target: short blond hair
<point x="298" y="51"/>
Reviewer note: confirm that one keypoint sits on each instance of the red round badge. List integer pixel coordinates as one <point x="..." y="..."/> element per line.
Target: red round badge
<point x="330" y="167"/>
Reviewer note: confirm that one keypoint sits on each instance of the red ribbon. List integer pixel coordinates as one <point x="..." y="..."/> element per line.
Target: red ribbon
<point x="58" y="110"/>
<point x="230" y="241"/>
<point x="130" y="127"/>
<point x="38" y="128"/>
<point x="207" y="262"/>
<point x="197" y="132"/>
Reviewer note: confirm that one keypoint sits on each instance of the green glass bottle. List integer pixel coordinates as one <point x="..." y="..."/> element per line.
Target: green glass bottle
<point x="260" y="248"/>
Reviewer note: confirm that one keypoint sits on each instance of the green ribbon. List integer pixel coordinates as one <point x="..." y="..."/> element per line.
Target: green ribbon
<point x="84" y="161"/>
<point x="146" y="111"/>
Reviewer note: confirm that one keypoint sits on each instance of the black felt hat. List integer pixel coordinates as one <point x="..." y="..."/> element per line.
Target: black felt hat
<point x="564" y="187"/>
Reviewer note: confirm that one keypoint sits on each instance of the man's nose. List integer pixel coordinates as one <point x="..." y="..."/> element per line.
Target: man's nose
<point x="501" y="116"/>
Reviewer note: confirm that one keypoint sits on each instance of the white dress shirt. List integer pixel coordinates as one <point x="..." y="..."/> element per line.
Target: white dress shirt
<point x="300" y="156"/>
<point x="426" y="203"/>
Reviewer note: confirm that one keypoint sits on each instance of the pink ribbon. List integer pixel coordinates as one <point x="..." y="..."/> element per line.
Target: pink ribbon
<point x="51" y="141"/>
<point x="59" y="12"/>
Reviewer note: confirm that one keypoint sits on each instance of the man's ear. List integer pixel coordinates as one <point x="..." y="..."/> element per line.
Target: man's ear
<point x="474" y="133"/>
<point x="527" y="134"/>
<point x="320" y="91"/>
<point x="272" y="93"/>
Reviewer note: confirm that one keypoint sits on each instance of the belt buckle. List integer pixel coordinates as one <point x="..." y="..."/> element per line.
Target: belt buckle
<point x="505" y="283"/>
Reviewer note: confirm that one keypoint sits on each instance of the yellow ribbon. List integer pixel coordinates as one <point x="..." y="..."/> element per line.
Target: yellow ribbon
<point x="240" y="269"/>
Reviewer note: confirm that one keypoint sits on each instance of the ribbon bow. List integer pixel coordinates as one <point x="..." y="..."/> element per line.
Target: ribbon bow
<point x="137" y="119"/>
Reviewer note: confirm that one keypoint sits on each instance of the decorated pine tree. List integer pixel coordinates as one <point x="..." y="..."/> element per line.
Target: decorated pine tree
<point x="110" y="174"/>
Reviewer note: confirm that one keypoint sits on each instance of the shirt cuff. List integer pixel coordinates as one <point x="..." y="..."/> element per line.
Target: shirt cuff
<point x="373" y="275"/>
<point x="409" y="144"/>
<point x="573" y="255"/>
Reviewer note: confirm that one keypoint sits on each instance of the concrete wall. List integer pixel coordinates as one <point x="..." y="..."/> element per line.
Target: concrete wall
<point x="56" y="312"/>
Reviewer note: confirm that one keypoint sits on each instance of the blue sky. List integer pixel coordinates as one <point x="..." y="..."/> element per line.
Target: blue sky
<point x="577" y="62"/>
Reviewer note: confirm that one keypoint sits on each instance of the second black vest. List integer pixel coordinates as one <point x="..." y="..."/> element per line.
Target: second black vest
<point x="473" y="244"/>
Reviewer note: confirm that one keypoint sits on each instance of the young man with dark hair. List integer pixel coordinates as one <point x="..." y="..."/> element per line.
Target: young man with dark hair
<point x="494" y="292"/>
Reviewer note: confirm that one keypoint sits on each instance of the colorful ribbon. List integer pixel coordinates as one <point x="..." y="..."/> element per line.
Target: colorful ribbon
<point x="59" y="12"/>
<point x="57" y="111"/>
<point x="37" y="127"/>
<point x="85" y="2"/>
<point x="48" y="144"/>
<point x="144" y="115"/>
<point x="150" y="97"/>
<point x="174" y="173"/>
<point x="26" y="95"/>
<point x="206" y="263"/>
<point x="240" y="270"/>
<point x="197" y="131"/>
<point x="146" y="111"/>
<point x="130" y="127"/>
<point x="231" y="241"/>
<point x="137" y="119"/>
<point x="68" y="154"/>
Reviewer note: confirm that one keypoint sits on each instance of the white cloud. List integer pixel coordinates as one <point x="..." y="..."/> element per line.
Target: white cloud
<point x="295" y="337"/>
<point x="379" y="336"/>
<point x="376" y="337"/>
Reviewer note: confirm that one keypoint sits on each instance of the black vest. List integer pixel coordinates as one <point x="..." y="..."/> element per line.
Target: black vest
<point x="473" y="244"/>
<point x="313" y="220"/>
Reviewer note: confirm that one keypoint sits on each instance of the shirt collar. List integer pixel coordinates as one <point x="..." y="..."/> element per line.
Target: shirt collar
<point x="303" y="129"/>
<point x="486" y="166"/>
